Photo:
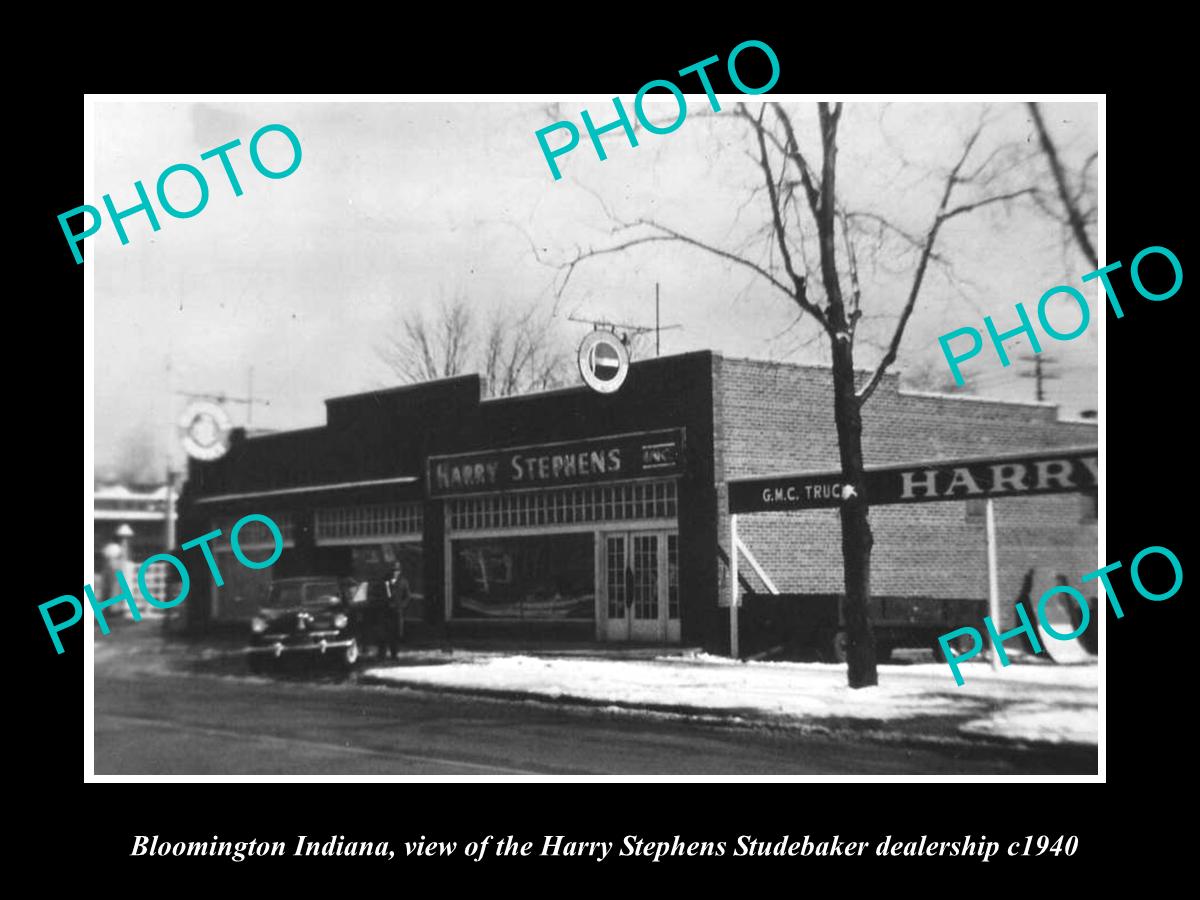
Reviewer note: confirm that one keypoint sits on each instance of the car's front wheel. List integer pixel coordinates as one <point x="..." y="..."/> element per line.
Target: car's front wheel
<point x="832" y="647"/>
<point x="350" y="654"/>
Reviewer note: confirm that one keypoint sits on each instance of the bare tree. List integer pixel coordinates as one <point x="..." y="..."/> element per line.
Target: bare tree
<point x="424" y="349"/>
<point x="521" y="353"/>
<point x="801" y="191"/>
<point x="1077" y="212"/>
<point x="514" y="352"/>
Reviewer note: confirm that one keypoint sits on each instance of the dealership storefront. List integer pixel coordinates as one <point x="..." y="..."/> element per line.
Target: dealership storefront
<point x="596" y="540"/>
<point x="582" y="533"/>
<point x="577" y="516"/>
<point x="557" y="516"/>
<point x="364" y="541"/>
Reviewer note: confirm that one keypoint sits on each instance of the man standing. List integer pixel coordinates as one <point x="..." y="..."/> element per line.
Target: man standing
<point x="398" y="597"/>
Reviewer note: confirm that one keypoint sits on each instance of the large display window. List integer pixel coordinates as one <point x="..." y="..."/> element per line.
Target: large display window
<point x="547" y="576"/>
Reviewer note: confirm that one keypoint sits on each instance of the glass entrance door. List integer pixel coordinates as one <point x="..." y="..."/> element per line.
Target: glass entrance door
<point x="640" y="587"/>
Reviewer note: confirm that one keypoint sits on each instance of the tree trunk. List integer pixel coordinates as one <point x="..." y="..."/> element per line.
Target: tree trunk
<point x="856" y="529"/>
<point x="856" y="526"/>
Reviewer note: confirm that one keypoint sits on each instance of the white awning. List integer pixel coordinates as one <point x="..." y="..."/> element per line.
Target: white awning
<point x="253" y="495"/>
<point x="129" y="515"/>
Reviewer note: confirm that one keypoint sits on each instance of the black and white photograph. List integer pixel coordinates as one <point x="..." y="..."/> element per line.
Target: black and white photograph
<point x="677" y="434"/>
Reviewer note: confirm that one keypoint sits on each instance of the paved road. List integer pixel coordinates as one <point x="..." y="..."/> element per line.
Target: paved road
<point x="177" y="723"/>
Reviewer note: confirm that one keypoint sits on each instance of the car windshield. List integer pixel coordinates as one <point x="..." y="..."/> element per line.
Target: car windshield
<point x="321" y="593"/>
<point x="284" y="595"/>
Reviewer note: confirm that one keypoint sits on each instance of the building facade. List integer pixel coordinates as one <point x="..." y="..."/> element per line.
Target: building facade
<point x="130" y="525"/>
<point x="579" y="516"/>
<point x="135" y="517"/>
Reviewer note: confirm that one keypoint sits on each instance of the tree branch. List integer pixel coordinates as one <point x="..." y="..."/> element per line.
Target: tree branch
<point x="838" y="327"/>
<point x="670" y="234"/>
<point x="968" y="207"/>
<point x="884" y="222"/>
<point x="792" y="152"/>
<point x="1083" y="171"/>
<point x="943" y="215"/>
<point x="798" y="281"/>
<point x="855" y="287"/>
<point x="1060" y="179"/>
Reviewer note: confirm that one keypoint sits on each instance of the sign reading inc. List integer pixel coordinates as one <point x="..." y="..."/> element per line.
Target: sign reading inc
<point x="615" y="458"/>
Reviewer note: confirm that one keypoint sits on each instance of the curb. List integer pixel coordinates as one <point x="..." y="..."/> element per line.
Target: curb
<point x="743" y="719"/>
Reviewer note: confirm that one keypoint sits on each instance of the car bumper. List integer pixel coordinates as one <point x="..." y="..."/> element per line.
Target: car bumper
<point x="278" y="648"/>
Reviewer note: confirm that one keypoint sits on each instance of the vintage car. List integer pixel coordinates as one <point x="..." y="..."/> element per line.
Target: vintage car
<point x="318" y="618"/>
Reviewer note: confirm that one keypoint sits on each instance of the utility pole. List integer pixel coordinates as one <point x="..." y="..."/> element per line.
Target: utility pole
<point x="169" y="533"/>
<point x="169" y="524"/>
<point x="1039" y="374"/>
<point x="657" y="327"/>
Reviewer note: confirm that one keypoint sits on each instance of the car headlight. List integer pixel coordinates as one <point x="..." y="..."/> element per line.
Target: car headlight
<point x="258" y="624"/>
<point x="340" y="620"/>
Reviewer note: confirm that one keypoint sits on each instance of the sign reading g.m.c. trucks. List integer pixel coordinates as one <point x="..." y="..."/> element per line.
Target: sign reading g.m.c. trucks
<point x="1054" y="471"/>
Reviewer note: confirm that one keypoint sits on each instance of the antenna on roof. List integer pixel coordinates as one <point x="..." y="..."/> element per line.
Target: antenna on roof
<point x="224" y="398"/>
<point x="626" y="330"/>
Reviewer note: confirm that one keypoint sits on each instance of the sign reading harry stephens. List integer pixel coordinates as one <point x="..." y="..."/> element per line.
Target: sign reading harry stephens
<point x="616" y="458"/>
<point x="1013" y="475"/>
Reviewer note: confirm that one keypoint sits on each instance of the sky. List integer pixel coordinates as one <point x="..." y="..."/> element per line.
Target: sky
<point x="399" y="206"/>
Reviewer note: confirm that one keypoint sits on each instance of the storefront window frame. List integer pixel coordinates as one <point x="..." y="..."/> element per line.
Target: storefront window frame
<point x="452" y="552"/>
<point x="368" y="523"/>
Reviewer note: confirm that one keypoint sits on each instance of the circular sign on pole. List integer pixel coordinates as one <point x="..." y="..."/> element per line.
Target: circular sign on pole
<point x="603" y="361"/>
<point x="205" y="427"/>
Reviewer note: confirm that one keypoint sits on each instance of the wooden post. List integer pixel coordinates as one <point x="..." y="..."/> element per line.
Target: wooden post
<point x="733" y="587"/>
<point x="993" y="581"/>
<point x="169" y="535"/>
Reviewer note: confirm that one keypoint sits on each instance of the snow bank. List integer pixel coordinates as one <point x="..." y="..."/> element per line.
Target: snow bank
<point x="1033" y="702"/>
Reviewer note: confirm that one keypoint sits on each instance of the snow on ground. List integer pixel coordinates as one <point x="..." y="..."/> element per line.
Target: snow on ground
<point x="1020" y="702"/>
<point x="1036" y="722"/>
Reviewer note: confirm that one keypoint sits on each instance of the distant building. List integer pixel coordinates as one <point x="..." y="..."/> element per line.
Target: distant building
<point x="133" y="518"/>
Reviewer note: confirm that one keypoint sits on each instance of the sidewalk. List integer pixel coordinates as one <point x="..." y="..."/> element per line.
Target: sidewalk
<point x="1032" y="703"/>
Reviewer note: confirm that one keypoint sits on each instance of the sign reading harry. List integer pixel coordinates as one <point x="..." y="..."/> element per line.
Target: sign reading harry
<point x="1014" y="475"/>
<point x="615" y="458"/>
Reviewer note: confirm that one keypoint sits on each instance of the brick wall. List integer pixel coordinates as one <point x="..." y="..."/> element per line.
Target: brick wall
<point x="779" y="418"/>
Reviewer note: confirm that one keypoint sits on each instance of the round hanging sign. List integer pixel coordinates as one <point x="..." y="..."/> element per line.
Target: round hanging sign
<point x="205" y="430"/>
<point x="603" y="361"/>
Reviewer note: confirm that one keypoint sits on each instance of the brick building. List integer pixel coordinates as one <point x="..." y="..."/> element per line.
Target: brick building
<point x="779" y="418"/>
<point x="570" y="514"/>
